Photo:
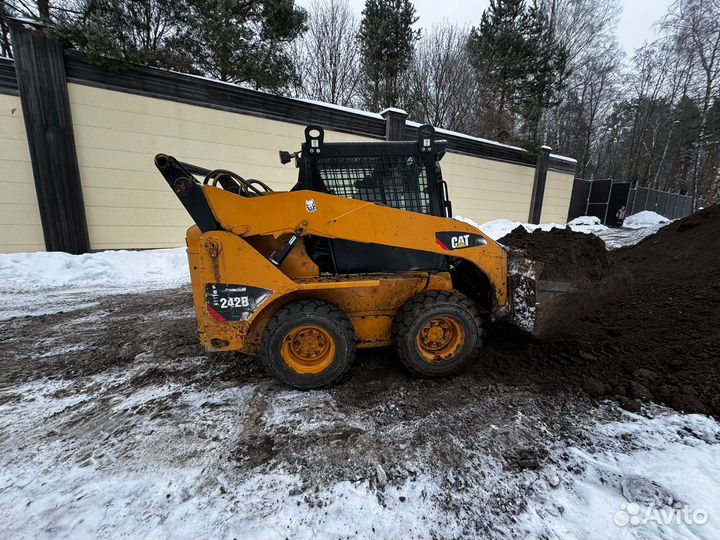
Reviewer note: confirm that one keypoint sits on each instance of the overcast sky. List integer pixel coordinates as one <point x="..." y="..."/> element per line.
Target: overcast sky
<point x="634" y="28"/>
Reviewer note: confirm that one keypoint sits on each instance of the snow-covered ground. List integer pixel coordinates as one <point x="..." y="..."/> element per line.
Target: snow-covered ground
<point x="42" y="283"/>
<point x="95" y="457"/>
<point x="152" y="441"/>
<point x="122" y="270"/>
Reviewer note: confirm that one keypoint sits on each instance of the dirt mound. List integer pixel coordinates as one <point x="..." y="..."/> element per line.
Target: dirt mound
<point x="565" y="254"/>
<point x="666" y="324"/>
<point x="651" y="329"/>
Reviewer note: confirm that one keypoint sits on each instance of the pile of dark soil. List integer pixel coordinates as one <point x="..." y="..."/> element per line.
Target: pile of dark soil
<point x="564" y="253"/>
<point x="647" y="327"/>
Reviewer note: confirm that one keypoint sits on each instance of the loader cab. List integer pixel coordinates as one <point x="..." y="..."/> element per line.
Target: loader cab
<point x="400" y="174"/>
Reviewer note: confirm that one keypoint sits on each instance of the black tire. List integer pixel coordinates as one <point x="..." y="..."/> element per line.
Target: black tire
<point x="317" y="318"/>
<point x="457" y="315"/>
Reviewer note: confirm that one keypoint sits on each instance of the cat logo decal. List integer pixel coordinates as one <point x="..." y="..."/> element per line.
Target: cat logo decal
<point x="450" y="241"/>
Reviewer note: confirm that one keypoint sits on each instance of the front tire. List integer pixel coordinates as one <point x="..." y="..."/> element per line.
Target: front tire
<point x="437" y="333"/>
<point x="309" y="344"/>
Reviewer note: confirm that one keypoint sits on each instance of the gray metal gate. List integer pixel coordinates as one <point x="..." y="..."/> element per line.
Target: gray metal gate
<point x="612" y="201"/>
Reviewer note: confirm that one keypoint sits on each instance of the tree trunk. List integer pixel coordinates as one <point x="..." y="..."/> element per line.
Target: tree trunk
<point x="44" y="9"/>
<point x="697" y="166"/>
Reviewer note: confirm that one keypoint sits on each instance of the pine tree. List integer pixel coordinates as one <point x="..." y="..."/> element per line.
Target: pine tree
<point x="110" y="32"/>
<point x="499" y="53"/>
<point x="241" y="41"/>
<point x="387" y="41"/>
<point x="520" y="67"/>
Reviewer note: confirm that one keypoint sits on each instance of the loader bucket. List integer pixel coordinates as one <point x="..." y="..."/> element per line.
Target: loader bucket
<point x="529" y="294"/>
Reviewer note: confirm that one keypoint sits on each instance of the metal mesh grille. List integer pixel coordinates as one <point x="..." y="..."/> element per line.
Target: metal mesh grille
<point x="395" y="181"/>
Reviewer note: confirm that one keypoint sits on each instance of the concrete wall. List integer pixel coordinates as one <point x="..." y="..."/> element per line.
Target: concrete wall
<point x="20" y="228"/>
<point x="128" y="204"/>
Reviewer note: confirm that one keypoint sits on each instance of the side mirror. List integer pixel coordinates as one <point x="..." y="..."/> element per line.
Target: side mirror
<point x="285" y="157"/>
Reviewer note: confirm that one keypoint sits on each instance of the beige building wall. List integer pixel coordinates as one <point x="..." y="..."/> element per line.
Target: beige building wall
<point x="129" y="205"/>
<point x="556" y="202"/>
<point x="483" y="189"/>
<point x="20" y="228"/>
<point x="117" y="134"/>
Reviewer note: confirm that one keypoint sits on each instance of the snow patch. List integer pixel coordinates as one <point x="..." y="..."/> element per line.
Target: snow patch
<point x="393" y="110"/>
<point x="613" y="238"/>
<point x="588" y="225"/>
<point x="340" y="108"/>
<point x="469" y="137"/>
<point x="586" y="221"/>
<point x="665" y="453"/>
<point x="497" y="228"/>
<point x="149" y="269"/>
<point x="643" y="219"/>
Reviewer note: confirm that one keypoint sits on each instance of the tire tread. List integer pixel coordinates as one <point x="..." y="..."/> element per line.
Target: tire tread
<point x="416" y="307"/>
<point x="314" y="307"/>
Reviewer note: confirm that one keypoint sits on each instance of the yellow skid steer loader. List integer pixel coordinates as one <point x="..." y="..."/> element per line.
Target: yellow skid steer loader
<point x="360" y="253"/>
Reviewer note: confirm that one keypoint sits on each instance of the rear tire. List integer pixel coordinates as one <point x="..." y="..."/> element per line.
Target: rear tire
<point x="437" y="333"/>
<point x="309" y="344"/>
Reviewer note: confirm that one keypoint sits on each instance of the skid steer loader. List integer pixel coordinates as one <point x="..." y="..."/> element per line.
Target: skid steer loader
<point x="362" y="252"/>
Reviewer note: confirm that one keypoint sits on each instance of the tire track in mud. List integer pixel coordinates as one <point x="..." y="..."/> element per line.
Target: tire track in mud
<point x="127" y="390"/>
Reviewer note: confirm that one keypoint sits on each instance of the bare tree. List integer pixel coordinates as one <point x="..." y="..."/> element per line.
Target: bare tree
<point x="598" y="78"/>
<point x="15" y="8"/>
<point x="327" y="57"/>
<point x="646" y="82"/>
<point x="695" y="27"/>
<point x="587" y="28"/>
<point x="677" y="81"/>
<point x="441" y="84"/>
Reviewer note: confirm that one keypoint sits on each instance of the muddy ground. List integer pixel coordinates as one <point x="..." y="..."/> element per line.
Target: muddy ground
<point x="122" y="387"/>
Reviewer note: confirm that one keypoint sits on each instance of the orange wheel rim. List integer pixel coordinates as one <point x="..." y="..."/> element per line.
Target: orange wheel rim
<point x="440" y="339"/>
<point x="308" y="349"/>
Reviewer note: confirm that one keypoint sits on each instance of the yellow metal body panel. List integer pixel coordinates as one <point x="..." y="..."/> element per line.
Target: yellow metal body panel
<point x="255" y="227"/>
<point x="338" y="217"/>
